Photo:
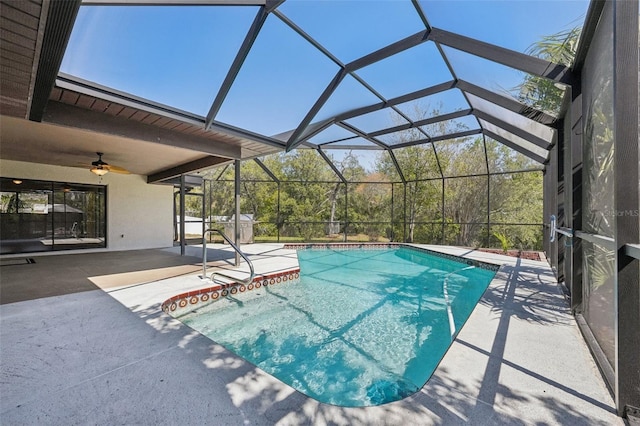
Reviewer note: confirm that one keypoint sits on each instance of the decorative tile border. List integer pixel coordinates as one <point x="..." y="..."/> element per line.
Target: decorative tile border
<point x="186" y="302"/>
<point x="341" y="246"/>
<point x="378" y="246"/>
<point x="471" y="262"/>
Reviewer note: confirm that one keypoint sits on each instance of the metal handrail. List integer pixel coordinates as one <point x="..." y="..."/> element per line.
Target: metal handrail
<point x="445" y="292"/>
<point x="632" y="250"/>
<point x="554" y="229"/>
<point x="231" y="243"/>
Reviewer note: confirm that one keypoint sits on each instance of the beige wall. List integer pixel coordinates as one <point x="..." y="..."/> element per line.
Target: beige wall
<point x="139" y="215"/>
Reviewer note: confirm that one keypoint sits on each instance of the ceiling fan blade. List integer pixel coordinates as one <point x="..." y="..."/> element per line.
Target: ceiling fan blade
<point x="116" y="169"/>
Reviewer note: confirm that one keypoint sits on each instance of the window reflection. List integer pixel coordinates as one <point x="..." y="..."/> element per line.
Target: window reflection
<point x="44" y="216"/>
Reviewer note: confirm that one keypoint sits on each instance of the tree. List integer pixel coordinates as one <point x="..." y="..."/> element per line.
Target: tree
<point x="307" y="194"/>
<point x="541" y="93"/>
<point x="419" y="164"/>
<point x="466" y="197"/>
<point x="220" y="190"/>
<point x="370" y="206"/>
<point x="515" y="197"/>
<point x="258" y="197"/>
<point x="350" y="168"/>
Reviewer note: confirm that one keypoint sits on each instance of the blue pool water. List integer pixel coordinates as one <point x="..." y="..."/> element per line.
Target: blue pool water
<point x="360" y="327"/>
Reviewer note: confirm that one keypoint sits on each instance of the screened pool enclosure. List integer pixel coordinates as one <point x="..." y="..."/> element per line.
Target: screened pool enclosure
<point x="305" y="196"/>
<point x="510" y="125"/>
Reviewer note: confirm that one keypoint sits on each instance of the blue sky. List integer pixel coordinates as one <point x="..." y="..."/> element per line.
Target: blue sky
<point x="179" y="56"/>
<point x="514" y="24"/>
<point x="174" y="55"/>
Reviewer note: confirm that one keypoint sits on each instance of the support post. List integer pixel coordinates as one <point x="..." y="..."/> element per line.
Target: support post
<point x="278" y="215"/>
<point x="346" y="210"/>
<point x="574" y="178"/>
<point x="444" y="229"/>
<point x="486" y="160"/>
<point x="210" y="202"/>
<point x="393" y="233"/>
<point x="204" y="207"/>
<point x="182" y="215"/>
<point x="404" y="229"/>
<point x="237" y="209"/>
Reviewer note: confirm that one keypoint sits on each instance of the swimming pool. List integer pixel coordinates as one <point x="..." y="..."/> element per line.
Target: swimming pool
<point x="358" y="328"/>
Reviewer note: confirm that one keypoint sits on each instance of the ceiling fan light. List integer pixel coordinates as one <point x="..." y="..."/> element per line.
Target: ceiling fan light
<point x="99" y="170"/>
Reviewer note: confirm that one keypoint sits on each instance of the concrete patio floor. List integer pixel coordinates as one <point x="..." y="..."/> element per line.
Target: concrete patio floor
<point x="83" y="341"/>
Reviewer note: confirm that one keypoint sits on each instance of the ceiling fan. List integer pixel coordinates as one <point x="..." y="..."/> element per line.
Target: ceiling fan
<point x="101" y="168"/>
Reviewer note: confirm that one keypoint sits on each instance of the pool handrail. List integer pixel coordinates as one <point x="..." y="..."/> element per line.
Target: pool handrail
<point x="447" y="301"/>
<point x="236" y="248"/>
<point x="555" y="229"/>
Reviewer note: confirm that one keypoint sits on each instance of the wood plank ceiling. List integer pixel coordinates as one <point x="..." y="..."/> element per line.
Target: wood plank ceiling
<point x="21" y="29"/>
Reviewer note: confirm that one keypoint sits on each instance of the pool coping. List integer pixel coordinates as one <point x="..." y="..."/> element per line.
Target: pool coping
<point x="348" y="246"/>
<point x="184" y="303"/>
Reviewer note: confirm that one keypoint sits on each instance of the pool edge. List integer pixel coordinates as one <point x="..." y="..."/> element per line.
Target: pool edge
<point x="351" y="246"/>
<point x="183" y="303"/>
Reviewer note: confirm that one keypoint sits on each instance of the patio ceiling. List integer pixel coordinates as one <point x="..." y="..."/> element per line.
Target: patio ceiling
<point x="209" y="81"/>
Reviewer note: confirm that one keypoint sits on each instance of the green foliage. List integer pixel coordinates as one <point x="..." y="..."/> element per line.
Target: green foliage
<point x="542" y="93"/>
<point x="377" y="206"/>
<point x="310" y="197"/>
<point x="504" y="241"/>
<point x="11" y="203"/>
<point x="417" y="163"/>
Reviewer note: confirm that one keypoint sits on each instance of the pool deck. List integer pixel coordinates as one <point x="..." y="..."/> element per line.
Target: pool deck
<point x="83" y="340"/>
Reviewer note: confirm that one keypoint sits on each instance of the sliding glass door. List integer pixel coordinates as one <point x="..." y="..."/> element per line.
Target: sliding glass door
<point x="40" y="216"/>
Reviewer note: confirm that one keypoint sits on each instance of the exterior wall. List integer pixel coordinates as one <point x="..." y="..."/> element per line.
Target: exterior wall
<point x="139" y="215"/>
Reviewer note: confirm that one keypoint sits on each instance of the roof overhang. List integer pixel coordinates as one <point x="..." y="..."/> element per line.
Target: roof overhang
<point x="47" y="119"/>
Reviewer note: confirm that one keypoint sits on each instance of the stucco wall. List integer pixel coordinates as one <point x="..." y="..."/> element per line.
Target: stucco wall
<point x="139" y="215"/>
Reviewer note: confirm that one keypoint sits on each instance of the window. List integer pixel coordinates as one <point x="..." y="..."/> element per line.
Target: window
<point x="45" y="216"/>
